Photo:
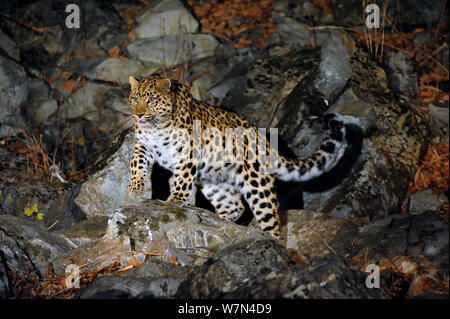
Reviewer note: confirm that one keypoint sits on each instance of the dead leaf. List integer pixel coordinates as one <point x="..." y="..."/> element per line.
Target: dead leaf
<point x="69" y="85"/>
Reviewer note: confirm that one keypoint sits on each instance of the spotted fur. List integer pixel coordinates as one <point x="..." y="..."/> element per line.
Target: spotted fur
<point x="165" y="113"/>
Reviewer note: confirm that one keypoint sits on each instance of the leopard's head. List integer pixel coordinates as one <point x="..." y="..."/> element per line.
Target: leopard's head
<point x="150" y="100"/>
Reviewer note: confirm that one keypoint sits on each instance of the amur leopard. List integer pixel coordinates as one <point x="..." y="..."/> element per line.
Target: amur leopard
<point x="168" y="122"/>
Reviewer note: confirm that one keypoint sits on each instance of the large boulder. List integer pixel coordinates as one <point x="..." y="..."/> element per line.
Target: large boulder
<point x="385" y="133"/>
<point x="310" y="234"/>
<point x="153" y="279"/>
<point x="28" y="249"/>
<point x="171" y="50"/>
<point x="249" y="257"/>
<point x="323" y="278"/>
<point x="106" y="189"/>
<point x="14" y="89"/>
<point x="109" y="69"/>
<point x="186" y="233"/>
<point x="164" y="17"/>
<point x="50" y="204"/>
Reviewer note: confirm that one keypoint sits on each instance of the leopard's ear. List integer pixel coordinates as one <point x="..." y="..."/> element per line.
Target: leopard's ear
<point x="163" y="85"/>
<point x="133" y="82"/>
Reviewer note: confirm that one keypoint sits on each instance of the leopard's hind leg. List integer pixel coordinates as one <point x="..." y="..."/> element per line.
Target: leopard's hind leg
<point x="259" y="191"/>
<point x="225" y="198"/>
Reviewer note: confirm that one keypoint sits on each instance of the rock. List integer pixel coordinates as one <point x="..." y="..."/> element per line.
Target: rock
<point x="8" y="46"/>
<point x="323" y="278"/>
<point x="27" y="248"/>
<point x="283" y="91"/>
<point x="14" y="87"/>
<point x="156" y="268"/>
<point x="334" y="69"/>
<point x="402" y="235"/>
<point x="259" y="93"/>
<point x="425" y="201"/>
<point x="440" y="114"/>
<point x="45" y="110"/>
<point x="412" y="249"/>
<point x="170" y="50"/>
<point x="99" y="253"/>
<point x="131" y="287"/>
<point x="164" y="17"/>
<point x="386" y="144"/>
<point x="86" y="102"/>
<point x="109" y="69"/>
<point x="311" y="235"/>
<point x="50" y="204"/>
<point x="86" y="230"/>
<point x="5" y="285"/>
<point x="209" y="87"/>
<point x="101" y="28"/>
<point x="40" y="105"/>
<point x="401" y="75"/>
<point x="289" y="32"/>
<point x="153" y="279"/>
<point x="98" y="103"/>
<point x="249" y="257"/>
<point x="154" y="225"/>
<point x="106" y="189"/>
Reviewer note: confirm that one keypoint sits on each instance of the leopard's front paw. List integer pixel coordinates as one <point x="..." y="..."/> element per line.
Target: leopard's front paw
<point x="176" y="200"/>
<point x="135" y="188"/>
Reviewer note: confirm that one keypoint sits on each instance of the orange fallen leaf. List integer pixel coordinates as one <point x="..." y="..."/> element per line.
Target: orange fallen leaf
<point x="69" y="85"/>
<point x="49" y="79"/>
<point x="114" y="52"/>
<point x="173" y="260"/>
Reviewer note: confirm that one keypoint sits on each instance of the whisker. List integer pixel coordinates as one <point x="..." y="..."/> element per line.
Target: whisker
<point x="122" y="124"/>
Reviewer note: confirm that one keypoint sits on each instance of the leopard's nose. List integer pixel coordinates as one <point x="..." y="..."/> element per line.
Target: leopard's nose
<point x="139" y="115"/>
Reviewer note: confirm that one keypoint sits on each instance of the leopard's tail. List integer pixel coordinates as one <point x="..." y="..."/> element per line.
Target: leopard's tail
<point x="324" y="159"/>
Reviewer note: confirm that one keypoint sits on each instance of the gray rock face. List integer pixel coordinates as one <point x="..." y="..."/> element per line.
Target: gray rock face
<point x="14" y="86"/>
<point x="120" y="287"/>
<point x="107" y="188"/>
<point x="170" y="50"/>
<point x="262" y="92"/>
<point x="26" y="246"/>
<point x="378" y="180"/>
<point x="284" y="91"/>
<point x="425" y="201"/>
<point x="8" y="46"/>
<point x="165" y="17"/>
<point x="401" y="75"/>
<point x="86" y="102"/>
<point x="153" y="279"/>
<point x="155" y="226"/>
<point x="313" y="235"/>
<point x="86" y="230"/>
<point x="325" y="278"/>
<point x="249" y="257"/>
<point x="49" y="204"/>
<point x="5" y="285"/>
<point x="109" y="69"/>
<point x="334" y="68"/>
<point x="402" y="235"/>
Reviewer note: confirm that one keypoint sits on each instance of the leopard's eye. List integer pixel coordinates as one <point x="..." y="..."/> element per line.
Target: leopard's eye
<point x="150" y="99"/>
<point x="135" y="99"/>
